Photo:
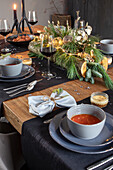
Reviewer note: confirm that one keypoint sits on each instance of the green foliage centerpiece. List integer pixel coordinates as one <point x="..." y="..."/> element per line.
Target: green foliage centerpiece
<point x="77" y="52"/>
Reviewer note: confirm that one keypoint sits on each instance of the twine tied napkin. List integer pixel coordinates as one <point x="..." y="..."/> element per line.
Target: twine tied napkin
<point x="41" y="105"/>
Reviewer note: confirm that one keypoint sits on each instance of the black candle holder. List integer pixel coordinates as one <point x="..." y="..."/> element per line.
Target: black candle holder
<point x="24" y="18"/>
<point x="15" y="20"/>
<point x="16" y="24"/>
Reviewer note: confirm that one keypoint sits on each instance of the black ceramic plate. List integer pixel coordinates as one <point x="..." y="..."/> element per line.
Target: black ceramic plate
<point x="21" y="43"/>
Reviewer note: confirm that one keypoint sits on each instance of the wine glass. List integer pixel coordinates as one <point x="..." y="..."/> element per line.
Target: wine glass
<point x="32" y="18"/>
<point x="4" y="30"/>
<point x="47" y="49"/>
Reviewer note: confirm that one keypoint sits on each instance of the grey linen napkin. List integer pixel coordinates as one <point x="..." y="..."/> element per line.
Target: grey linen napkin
<point x="42" y="105"/>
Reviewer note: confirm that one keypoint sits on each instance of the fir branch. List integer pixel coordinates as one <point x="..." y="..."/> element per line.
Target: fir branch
<point x="39" y="55"/>
<point x="93" y="39"/>
<point x="70" y="47"/>
<point x="106" y="78"/>
<point x="68" y="62"/>
<point x="60" y="60"/>
<point x="72" y="72"/>
<point x="97" y="53"/>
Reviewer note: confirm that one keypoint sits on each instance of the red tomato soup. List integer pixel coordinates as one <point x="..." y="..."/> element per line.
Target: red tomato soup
<point x="85" y="119"/>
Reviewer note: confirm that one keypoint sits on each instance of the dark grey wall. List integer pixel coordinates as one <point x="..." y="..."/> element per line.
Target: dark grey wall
<point x="98" y="13"/>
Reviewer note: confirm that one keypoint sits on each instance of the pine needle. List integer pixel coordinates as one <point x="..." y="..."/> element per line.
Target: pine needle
<point x="106" y="78"/>
<point x="39" y="55"/>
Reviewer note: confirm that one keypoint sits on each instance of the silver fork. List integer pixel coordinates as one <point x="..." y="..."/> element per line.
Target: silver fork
<point x="9" y="88"/>
<point x="29" y="87"/>
<point x="12" y="91"/>
<point x="16" y="88"/>
<point x="100" y="163"/>
<point x="109" y="167"/>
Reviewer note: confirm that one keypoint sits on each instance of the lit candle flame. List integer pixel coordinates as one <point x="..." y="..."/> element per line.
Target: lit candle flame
<point x="14" y="6"/>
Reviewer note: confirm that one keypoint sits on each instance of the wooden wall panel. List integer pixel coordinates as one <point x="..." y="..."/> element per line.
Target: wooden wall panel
<point x="99" y="14"/>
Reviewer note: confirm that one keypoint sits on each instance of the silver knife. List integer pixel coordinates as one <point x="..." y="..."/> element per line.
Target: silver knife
<point x="100" y="163"/>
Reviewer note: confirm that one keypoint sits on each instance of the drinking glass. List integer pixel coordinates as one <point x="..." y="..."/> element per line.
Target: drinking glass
<point x="47" y="49"/>
<point x="4" y="30"/>
<point x="32" y="18"/>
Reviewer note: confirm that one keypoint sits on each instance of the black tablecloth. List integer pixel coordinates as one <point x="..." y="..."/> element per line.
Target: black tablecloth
<point x="41" y="152"/>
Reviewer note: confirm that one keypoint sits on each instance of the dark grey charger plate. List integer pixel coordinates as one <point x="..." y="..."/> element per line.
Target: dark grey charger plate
<point x="24" y="72"/>
<point x="100" y="141"/>
<point x="57" y="136"/>
<point x="30" y="74"/>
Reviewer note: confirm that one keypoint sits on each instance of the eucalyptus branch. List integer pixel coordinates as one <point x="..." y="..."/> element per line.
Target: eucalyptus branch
<point x="55" y="6"/>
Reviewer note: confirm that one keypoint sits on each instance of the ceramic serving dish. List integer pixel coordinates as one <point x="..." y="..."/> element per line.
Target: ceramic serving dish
<point x="10" y="40"/>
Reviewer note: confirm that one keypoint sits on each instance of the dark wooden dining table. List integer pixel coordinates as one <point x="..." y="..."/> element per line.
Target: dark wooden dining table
<point x="16" y="110"/>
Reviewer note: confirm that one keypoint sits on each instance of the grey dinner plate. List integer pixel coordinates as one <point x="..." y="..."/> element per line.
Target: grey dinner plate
<point x="104" y="138"/>
<point x="30" y="74"/>
<point x="57" y="136"/>
<point x="24" y="72"/>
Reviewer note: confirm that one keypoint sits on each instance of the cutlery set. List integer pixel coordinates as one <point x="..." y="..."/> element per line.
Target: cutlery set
<point x="13" y="91"/>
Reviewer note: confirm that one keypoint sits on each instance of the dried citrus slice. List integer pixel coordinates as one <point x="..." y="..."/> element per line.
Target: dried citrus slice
<point x="83" y="68"/>
<point x="104" y="63"/>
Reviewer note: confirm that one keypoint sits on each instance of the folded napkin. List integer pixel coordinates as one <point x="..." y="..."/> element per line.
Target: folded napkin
<point x="4" y="56"/>
<point x="41" y="105"/>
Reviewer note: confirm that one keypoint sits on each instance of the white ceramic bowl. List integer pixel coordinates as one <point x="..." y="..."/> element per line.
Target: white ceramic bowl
<point x="107" y="46"/>
<point x="10" y="67"/>
<point x="86" y="131"/>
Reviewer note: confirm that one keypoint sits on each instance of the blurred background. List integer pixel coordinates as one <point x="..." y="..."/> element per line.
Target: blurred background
<point x="98" y="13"/>
<point x="44" y="8"/>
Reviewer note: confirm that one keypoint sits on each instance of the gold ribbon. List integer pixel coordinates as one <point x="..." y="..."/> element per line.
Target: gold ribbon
<point x="47" y="98"/>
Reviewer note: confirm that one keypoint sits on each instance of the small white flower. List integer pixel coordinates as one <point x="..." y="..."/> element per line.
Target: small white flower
<point x="85" y="37"/>
<point x="78" y="38"/>
<point x="88" y="30"/>
<point x="81" y="32"/>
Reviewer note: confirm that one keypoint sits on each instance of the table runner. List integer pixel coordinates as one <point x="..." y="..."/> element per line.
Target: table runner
<point x="42" y="152"/>
<point x="40" y="65"/>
